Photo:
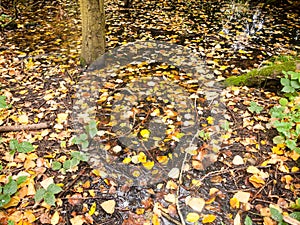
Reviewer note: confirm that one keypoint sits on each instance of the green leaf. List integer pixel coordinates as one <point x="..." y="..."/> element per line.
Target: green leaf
<point x="25" y="147"/>
<point x="39" y="195"/>
<point x="285" y="81"/>
<point x="4" y="199"/>
<point x="276" y="215"/>
<point x="295" y="215"/>
<point x="283" y="101"/>
<point x="91" y="128"/>
<point x="85" y="144"/>
<point x="11" y="187"/>
<point x="54" y="189"/>
<point x="21" y="179"/>
<point x="1" y="167"/>
<point x="291" y="144"/>
<point x="278" y="140"/>
<point x="225" y="125"/>
<point x="80" y="156"/>
<point x="69" y="164"/>
<point x="248" y="221"/>
<point x="294" y="75"/>
<point x="295" y="84"/>
<point x="13" y="144"/>
<point x="10" y="222"/>
<point x="3" y="104"/>
<point x="254" y="107"/>
<point x="56" y="165"/>
<point x="288" y="89"/>
<point x="49" y="198"/>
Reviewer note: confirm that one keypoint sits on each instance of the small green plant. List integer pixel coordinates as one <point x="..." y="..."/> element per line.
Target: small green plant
<point x="77" y="157"/>
<point x="9" y="189"/>
<point x="47" y="194"/>
<point x="254" y="107"/>
<point x="290" y="83"/>
<point x="83" y="139"/>
<point x="22" y="147"/>
<point x="286" y="116"/>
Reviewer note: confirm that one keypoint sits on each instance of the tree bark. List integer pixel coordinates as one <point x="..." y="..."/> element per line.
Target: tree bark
<point x="93" y="30"/>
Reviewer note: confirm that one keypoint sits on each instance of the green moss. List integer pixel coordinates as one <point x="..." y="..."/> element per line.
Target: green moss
<point x="257" y="76"/>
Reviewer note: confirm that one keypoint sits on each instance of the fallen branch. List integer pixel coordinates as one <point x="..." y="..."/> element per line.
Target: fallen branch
<point x="24" y="127"/>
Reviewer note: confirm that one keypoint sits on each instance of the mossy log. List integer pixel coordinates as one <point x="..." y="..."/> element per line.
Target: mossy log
<point x="258" y="76"/>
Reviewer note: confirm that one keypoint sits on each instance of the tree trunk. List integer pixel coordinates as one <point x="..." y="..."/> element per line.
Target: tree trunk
<point x="93" y="30"/>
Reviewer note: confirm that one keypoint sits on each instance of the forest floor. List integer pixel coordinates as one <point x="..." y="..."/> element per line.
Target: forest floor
<point x="234" y="174"/>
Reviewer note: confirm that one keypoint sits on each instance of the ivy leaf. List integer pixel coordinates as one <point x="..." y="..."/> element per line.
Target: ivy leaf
<point x="11" y="187"/>
<point x="13" y="144"/>
<point x="49" y="198"/>
<point x="56" y="165"/>
<point x="39" y="195"/>
<point x="254" y="107"/>
<point x="276" y="215"/>
<point x="91" y="128"/>
<point x="54" y="189"/>
<point x="4" y="199"/>
<point x="295" y="215"/>
<point x="25" y="147"/>
<point x="80" y="156"/>
<point x="21" y="179"/>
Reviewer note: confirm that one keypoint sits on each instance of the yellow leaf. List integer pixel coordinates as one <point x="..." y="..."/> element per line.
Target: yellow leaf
<point x="127" y="160"/>
<point x="155" y="220"/>
<point x="140" y="211"/>
<point x="277" y="150"/>
<point x="136" y="173"/>
<point x="62" y="117"/>
<point x="29" y="216"/>
<point x="234" y="203"/>
<point x="142" y="158"/>
<point x="93" y="209"/>
<point x="55" y="218"/>
<point x="148" y="165"/>
<point x="23" y="119"/>
<point x="210" y="120"/>
<point x="162" y="159"/>
<point x="192" y="217"/>
<point x="14" y="201"/>
<point x="109" y="206"/>
<point x="208" y="218"/>
<point x="256" y="181"/>
<point x="145" y="133"/>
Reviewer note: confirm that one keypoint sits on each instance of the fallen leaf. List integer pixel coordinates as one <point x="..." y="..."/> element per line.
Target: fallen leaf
<point x="192" y="217"/>
<point x="55" y="218"/>
<point x="237" y="160"/>
<point x="109" y="206"/>
<point x="196" y="204"/>
<point x="242" y="196"/>
<point x="174" y="173"/>
<point x="208" y="218"/>
<point x="78" y="220"/>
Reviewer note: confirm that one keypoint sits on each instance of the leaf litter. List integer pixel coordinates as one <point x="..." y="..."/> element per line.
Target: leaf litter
<point x="39" y="66"/>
